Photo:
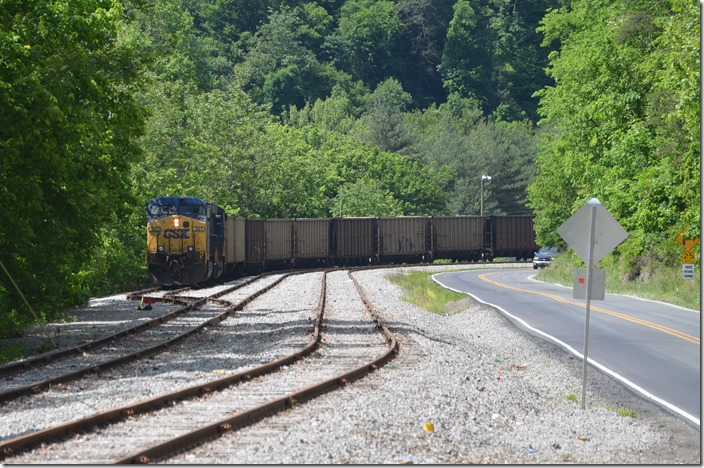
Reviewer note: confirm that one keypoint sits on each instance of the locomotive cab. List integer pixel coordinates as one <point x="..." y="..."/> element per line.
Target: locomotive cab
<point x="185" y="240"/>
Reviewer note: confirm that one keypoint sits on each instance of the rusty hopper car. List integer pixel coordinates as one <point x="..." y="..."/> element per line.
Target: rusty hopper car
<point x="403" y="238"/>
<point x="311" y="241"/>
<point x="235" y="254"/>
<point x="459" y="238"/>
<point x="354" y="240"/>
<point x="285" y="243"/>
<point x="255" y="245"/>
<point x="511" y="236"/>
<point x="279" y="241"/>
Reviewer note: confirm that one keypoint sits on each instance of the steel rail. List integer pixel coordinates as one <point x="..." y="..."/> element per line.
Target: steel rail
<point x="28" y="441"/>
<point x="44" y="358"/>
<point x="245" y="418"/>
<point x="37" y="387"/>
<point x="51" y="356"/>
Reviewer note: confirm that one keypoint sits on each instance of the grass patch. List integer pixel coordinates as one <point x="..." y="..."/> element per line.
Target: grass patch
<point x="420" y="290"/>
<point x="625" y="412"/>
<point x="573" y="398"/>
<point x="661" y="284"/>
<point x="13" y="353"/>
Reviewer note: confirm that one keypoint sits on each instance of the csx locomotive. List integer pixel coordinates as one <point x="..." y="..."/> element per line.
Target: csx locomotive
<point x="191" y="242"/>
<point x="185" y="240"/>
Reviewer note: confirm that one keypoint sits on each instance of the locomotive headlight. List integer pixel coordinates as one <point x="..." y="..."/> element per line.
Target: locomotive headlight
<point x="176" y="222"/>
<point x="190" y="248"/>
<point x="160" y="248"/>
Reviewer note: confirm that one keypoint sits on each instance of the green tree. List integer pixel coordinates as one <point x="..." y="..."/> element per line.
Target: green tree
<point x="336" y="113"/>
<point x="519" y="59"/>
<point x="292" y="178"/>
<point x="67" y="133"/>
<point x="467" y="57"/>
<point x="179" y="51"/>
<point x="456" y="136"/>
<point x="621" y="124"/>
<point x="280" y="68"/>
<point x="417" y="188"/>
<point x="494" y="55"/>
<point x="205" y="145"/>
<point x="419" y="48"/>
<point x="366" y="198"/>
<point x="382" y="124"/>
<point x="364" y="42"/>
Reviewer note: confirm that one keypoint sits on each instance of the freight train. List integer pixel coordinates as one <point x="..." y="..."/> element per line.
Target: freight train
<point x="191" y="242"/>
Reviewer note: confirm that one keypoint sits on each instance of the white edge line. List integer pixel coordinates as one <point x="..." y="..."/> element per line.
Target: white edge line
<point x="581" y="356"/>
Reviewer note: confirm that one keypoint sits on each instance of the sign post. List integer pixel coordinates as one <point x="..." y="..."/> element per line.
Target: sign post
<point x="604" y="233"/>
<point x="687" y="255"/>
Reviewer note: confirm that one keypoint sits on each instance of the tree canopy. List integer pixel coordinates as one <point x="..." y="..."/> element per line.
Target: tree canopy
<point x="67" y="132"/>
<point x="622" y="118"/>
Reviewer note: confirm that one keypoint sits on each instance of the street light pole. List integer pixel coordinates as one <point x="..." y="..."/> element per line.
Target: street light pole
<point x="487" y="179"/>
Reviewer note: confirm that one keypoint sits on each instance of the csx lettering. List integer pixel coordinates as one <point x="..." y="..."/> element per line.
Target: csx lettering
<point x="176" y="234"/>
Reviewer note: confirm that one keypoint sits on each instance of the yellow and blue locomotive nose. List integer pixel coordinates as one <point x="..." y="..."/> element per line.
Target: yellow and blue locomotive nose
<point x="176" y="243"/>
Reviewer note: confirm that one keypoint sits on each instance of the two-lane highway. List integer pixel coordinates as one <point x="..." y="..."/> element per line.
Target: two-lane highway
<point x="650" y="346"/>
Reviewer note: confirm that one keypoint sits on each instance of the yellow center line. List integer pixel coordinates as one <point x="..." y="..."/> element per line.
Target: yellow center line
<point x="630" y="318"/>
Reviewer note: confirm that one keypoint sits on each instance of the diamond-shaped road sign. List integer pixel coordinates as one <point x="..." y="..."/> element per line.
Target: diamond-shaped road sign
<point x="688" y="244"/>
<point x="608" y="233"/>
<point x="592" y="233"/>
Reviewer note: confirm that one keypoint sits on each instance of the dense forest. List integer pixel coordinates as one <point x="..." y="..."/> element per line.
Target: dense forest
<point x="293" y="108"/>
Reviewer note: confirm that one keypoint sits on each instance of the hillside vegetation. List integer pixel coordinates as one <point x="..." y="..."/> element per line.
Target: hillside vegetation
<point x="291" y="108"/>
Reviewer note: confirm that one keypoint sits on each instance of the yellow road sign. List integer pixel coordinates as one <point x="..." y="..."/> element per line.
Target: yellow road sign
<point x="687" y="257"/>
<point x="688" y="244"/>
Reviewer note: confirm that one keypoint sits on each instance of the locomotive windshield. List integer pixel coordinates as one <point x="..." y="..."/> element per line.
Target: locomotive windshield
<point x="192" y="210"/>
<point x="161" y="210"/>
<point x="167" y="206"/>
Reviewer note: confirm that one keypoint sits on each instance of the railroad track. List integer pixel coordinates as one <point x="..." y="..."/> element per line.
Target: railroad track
<point x="196" y="312"/>
<point x="218" y="406"/>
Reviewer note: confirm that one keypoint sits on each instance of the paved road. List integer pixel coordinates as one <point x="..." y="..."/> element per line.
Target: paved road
<point x="651" y="346"/>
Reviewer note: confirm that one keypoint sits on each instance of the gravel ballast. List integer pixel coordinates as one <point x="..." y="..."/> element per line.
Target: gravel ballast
<point x="468" y="387"/>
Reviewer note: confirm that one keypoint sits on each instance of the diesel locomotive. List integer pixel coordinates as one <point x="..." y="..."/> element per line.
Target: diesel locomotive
<point x="191" y="242"/>
<point x="185" y="240"/>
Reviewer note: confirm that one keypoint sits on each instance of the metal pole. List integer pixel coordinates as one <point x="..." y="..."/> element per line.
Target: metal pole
<point x="481" y="199"/>
<point x="590" y="264"/>
<point x="43" y="325"/>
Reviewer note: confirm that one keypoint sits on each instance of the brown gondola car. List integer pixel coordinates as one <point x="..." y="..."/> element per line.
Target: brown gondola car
<point x="235" y="254"/>
<point x="311" y="241"/>
<point x="255" y="245"/>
